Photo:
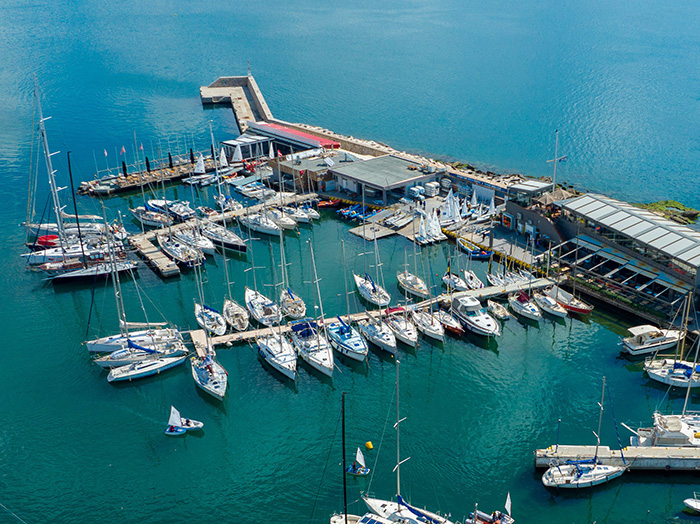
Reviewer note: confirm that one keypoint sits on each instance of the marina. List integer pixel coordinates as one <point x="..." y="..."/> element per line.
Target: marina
<point x="510" y="286"/>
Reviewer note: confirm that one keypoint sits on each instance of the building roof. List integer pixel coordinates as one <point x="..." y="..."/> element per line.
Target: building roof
<point x="317" y="164"/>
<point x="288" y="134"/>
<point x="382" y="172"/>
<point x="530" y="186"/>
<point x="246" y="139"/>
<point x="672" y="239"/>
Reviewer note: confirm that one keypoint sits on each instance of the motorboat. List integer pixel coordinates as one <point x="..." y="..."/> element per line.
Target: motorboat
<point x="210" y="319"/>
<point x="568" y="301"/>
<point x="279" y="352"/>
<point x="346" y="340"/>
<point x="449" y="322"/>
<point x="378" y="333"/>
<point x="222" y="237"/>
<point x="694" y="503"/>
<point x="404" y="330"/>
<point x="549" y="305"/>
<point x="497" y="310"/>
<point x="412" y="284"/>
<point x="209" y="375"/>
<point x="669" y="431"/>
<point x="647" y="339"/>
<point x="235" y="315"/>
<point x="371" y="291"/>
<point x="262" y="309"/>
<point x="144" y="369"/>
<point x="311" y="345"/>
<point x="469" y="311"/>
<point x="523" y="305"/>
<point x="428" y="324"/>
<point x="259" y="223"/>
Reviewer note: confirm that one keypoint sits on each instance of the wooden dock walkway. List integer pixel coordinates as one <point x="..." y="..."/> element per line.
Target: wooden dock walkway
<point x="154" y="256"/>
<point x="636" y="457"/>
<point x="481" y="294"/>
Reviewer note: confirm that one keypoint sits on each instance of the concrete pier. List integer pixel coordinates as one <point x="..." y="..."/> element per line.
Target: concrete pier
<point x="637" y="457"/>
<point x="155" y="258"/>
<point x="242" y="94"/>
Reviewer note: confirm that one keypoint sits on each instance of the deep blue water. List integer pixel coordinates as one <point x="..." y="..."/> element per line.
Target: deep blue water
<point x="484" y="83"/>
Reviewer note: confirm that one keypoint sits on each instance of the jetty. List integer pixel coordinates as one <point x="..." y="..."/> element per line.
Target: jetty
<point x="155" y="258"/>
<point x="635" y="457"/>
<point x="242" y="94"/>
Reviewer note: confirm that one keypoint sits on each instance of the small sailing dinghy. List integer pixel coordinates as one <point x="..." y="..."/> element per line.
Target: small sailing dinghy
<point x="576" y="474"/>
<point x="179" y="426"/>
<point x="479" y="517"/>
<point x="358" y="467"/>
<point x="144" y="369"/>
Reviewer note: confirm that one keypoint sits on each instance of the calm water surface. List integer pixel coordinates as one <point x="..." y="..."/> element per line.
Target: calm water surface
<point x="485" y="83"/>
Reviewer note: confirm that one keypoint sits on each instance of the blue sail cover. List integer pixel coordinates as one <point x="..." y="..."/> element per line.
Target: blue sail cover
<point x="209" y="308"/>
<point x="418" y="513"/>
<point x="374" y="288"/>
<point x="136" y="346"/>
<point x="344" y="328"/>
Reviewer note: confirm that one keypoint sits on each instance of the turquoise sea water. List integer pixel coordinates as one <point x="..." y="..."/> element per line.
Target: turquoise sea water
<point x="483" y="83"/>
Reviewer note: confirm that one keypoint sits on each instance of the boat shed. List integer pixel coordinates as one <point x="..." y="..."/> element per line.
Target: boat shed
<point x="667" y="244"/>
<point x="252" y="146"/>
<point x="385" y="175"/>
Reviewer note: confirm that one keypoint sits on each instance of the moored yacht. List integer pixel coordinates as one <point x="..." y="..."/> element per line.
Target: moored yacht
<point x="473" y="316"/>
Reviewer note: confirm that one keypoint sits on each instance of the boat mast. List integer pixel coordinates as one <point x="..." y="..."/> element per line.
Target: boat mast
<point x="75" y="209"/>
<point x="318" y="289"/>
<point x="600" y="420"/>
<point x="685" y="323"/>
<point x="345" y="487"/>
<point x="345" y="281"/>
<point x="123" y="325"/>
<point x="49" y="167"/>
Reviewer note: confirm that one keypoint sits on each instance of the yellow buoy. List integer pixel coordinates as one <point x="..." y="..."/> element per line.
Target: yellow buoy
<point x="369" y="445"/>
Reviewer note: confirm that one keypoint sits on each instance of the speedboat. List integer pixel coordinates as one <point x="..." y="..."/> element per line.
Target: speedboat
<point x="694" y="503"/>
<point x="370" y="291"/>
<point x="549" y="305"/>
<point x="346" y="340"/>
<point x="278" y="351"/>
<point x="378" y="333"/>
<point x="473" y="316"/>
<point x="524" y="306"/>
<point x="262" y="308"/>
<point x="578" y="474"/>
<point x="144" y="369"/>
<point x="428" y="324"/>
<point x="210" y="376"/>
<point x="650" y="339"/>
<point x="413" y="284"/>
<point x="210" y="319"/>
<point x="311" y="345"/>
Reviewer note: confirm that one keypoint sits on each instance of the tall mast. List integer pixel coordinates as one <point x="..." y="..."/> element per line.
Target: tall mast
<point x="316" y="281"/>
<point x="49" y="168"/>
<point x="398" y="453"/>
<point x="75" y="209"/>
<point x="345" y="280"/>
<point x="345" y="488"/>
<point x="600" y="418"/>
<point x="123" y="326"/>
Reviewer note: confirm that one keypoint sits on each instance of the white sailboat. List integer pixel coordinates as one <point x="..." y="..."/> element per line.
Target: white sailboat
<point x="209" y="319"/>
<point x="279" y="352"/>
<point x="209" y="375"/>
<point x="524" y="306"/>
<point x="376" y="331"/>
<point x="261" y="308"/>
<point x="428" y="324"/>
<point x="134" y="353"/>
<point x="260" y="223"/>
<point x="291" y="304"/>
<point x="176" y="422"/>
<point x="549" y="305"/>
<point x="222" y="237"/>
<point x="403" y="329"/>
<point x="144" y="369"/>
<point x="370" y="290"/>
<point x="358" y="468"/>
<point x="401" y="511"/>
<point x="151" y="218"/>
<point x="282" y="219"/>
<point x="181" y="253"/>
<point x="193" y="237"/>
<point x="583" y="473"/>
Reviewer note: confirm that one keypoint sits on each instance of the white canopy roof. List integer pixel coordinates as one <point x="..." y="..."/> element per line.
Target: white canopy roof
<point x="641" y="330"/>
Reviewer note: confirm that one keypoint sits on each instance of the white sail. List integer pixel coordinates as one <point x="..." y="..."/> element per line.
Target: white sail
<point x="465" y="208"/>
<point x="199" y="166"/>
<point x="237" y="155"/>
<point x="272" y="152"/>
<point x="508" y="505"/>
<point x="175" y="418"/>
<point x="222" y="158"/>
<point x="421" y="229"/>
<point x="474" y="200"/>
<point x="360" y="458"/>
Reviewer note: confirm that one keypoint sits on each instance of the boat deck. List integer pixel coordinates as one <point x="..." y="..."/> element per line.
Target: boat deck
<point x="637" y="457"/>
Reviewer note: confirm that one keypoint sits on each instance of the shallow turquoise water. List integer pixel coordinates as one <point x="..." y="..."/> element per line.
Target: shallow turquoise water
<point x="488" y="84"/>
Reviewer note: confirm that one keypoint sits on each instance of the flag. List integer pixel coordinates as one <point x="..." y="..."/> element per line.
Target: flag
<point x="105" y="152"/>
<point x="563" y="158"/>
<point x="301" y="172"/>
<point x="122" y="151"/>
<point x="508" y="506"/>
<point x="141" y="147"/>
<point x="279" y="153"/>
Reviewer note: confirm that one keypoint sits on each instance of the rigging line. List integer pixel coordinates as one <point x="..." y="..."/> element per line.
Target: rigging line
<point x="13" y="514"/>
<point x="376" y="458"/>
<point x="31" y="190"/>
<point x="92" y="303"/>
<point x="138" y="294"/>
<point x="325" y="467"/>
<point x="38" y="231"/>
<point x="617" y="432"/>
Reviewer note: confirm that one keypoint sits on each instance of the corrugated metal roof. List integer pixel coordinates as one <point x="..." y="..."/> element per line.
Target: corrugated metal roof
<point x="674" y="240"/>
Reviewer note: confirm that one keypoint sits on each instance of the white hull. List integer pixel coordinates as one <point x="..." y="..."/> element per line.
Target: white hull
<point x="585" y="476"/>
<point x="144" y="369"/>
<point x="210" y="320"/>
<point x="676" y="373"/>
<point x="375" y="294"/>
<point x="279" y="354"/>
<point x="525" y="309"/>
<point x="429" y="325"/>
<point x="404" y="330"/>
<point x="259" y="224"/>
<point x="210" y="377"/>
<point x="147" y="338"/>
<point x="378" y="334"/>
<point x="347" y="341"/>
<point x="235" y="315"/>
<point x="412" y="284"/>
<point x="261" y="308"/>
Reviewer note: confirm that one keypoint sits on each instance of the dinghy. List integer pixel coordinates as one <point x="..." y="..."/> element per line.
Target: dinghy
<point x="178" y="426"/>
<point x="358" y="467"/>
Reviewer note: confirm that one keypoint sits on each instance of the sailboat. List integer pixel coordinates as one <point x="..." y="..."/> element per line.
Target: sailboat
<point x="401" y="510"/>
<point x="523" y="305"/>
<point x="134" y="353"/>
<point x="428" y="324"/>
<point x="309" y="341"/>
<point x="178" y="426"/>
<point x="549" y="305"/>
<point x="208" y="318"/>
<point x="291" y="304"/>
<point x="411" y="282"/>
<point x="344" y="338"/>
<point x="453" y="281"/>
<point x="278" y="351"/>
<point x="234" y="314"/>
<point x="208" y="374"/>
<point x="261" y="308"/>
<point x="404" y="330"/>
<point x="583" y="473"/>
<point x="193" y="237"/>
<point x="358" y="468"/>
<point x="479" y="517"/>
<point x="144" y="369"/>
